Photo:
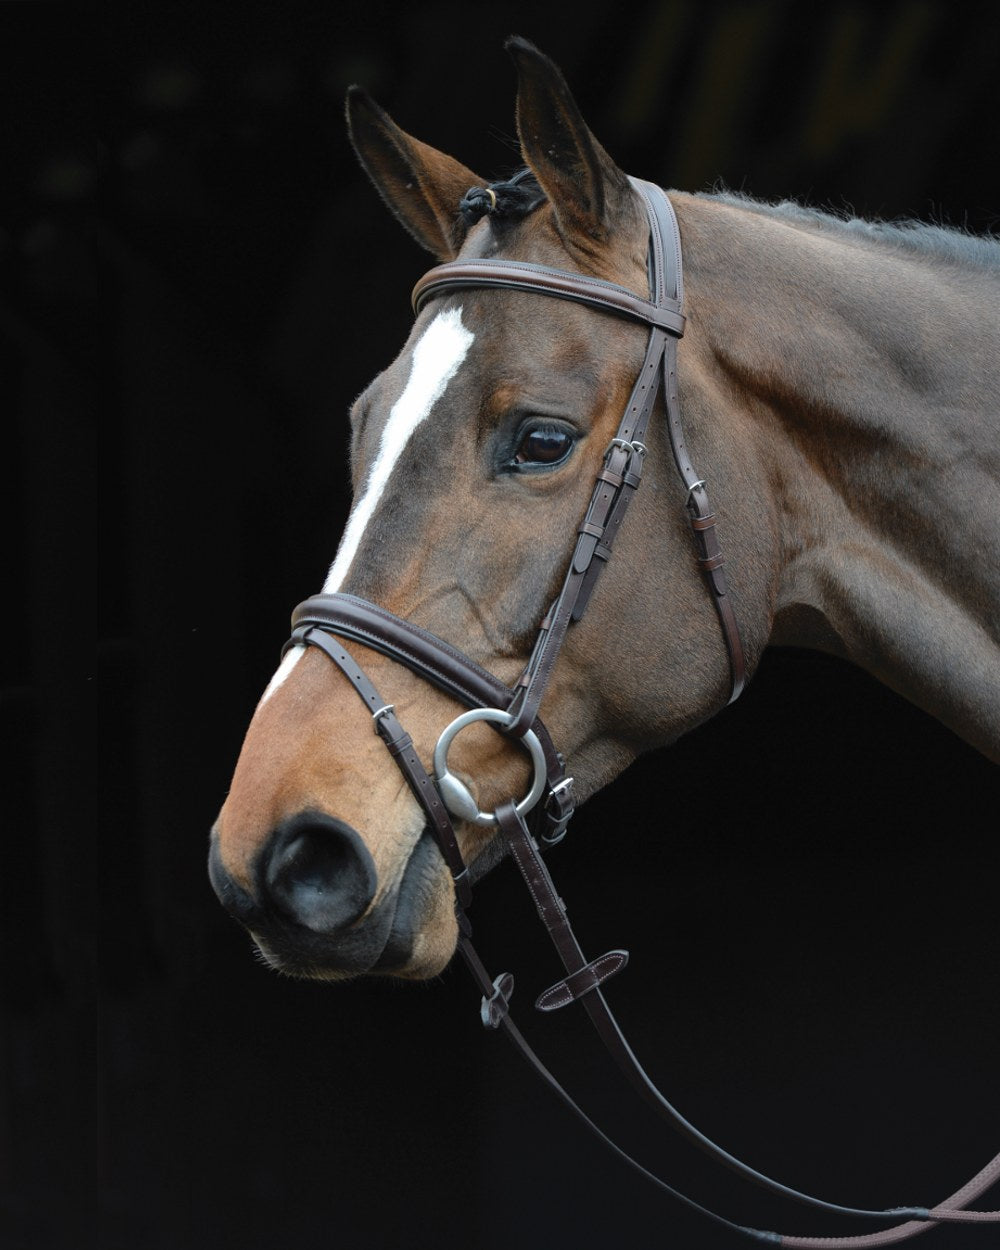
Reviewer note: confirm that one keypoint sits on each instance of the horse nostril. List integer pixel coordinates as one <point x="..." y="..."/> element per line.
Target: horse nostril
<point x="318" y="872"/>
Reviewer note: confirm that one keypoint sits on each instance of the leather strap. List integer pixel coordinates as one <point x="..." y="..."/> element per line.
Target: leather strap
<point x="499" y="1017"/>
<point x="702" y="517"/>
<point x="552" y="912"/>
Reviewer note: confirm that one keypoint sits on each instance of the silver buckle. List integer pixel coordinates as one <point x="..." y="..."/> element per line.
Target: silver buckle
<point x="558" y="830"/>
<point x="384" y="710"/>
<point x="635" y="448"/>
<point x="558" y="788"/>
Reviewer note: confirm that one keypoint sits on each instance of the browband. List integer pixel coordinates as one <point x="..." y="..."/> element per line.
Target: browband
<point x="525" y="276"/>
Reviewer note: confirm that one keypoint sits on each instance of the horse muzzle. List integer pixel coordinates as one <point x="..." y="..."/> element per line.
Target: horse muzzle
<point x="311" y="907"/>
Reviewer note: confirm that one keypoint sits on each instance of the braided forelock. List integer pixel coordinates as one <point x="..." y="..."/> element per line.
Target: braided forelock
<point x="510" y="200"/>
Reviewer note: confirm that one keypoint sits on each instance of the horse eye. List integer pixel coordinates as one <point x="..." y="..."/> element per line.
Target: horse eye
<point x="543" y="445"/>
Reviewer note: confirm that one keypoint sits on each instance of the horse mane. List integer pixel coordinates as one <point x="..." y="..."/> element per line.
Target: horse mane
<point x="520" y="194"/>
<point x="947" y="244"/>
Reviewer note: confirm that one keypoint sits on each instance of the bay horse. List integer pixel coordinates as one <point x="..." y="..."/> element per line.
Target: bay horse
<point x="840" y="387"/>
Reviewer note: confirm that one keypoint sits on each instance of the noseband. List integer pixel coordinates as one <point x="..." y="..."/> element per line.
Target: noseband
<point x="548" y="806"/>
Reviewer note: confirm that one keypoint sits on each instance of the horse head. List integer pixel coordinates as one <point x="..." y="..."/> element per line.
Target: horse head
<point x="473" y="459"/>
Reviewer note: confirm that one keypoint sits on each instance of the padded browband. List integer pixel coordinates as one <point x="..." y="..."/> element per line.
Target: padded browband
<point x="525" y="276"/>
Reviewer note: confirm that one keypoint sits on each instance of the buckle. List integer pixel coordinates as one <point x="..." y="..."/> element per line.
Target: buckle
<point x="562" y="794"/>
<point x="384" y="710"/>
<point x="633" y="448"/>
<point x="560" y="786"/>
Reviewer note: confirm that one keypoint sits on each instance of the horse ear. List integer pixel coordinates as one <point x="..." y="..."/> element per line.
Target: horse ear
<point x="421" y="186"/>
<point x="589" y="194"/>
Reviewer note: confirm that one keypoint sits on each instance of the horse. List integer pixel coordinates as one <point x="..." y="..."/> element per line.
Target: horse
<point x="840" y="385"/>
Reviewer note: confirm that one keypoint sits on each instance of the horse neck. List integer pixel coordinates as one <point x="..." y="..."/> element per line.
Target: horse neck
<point x="870" y="387"/>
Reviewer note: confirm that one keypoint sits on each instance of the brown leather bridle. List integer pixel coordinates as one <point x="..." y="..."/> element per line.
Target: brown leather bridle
<point x="542" y="816"/>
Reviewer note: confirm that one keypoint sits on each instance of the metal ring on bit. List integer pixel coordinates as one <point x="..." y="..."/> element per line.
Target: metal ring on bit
<point x="455" y="793"/>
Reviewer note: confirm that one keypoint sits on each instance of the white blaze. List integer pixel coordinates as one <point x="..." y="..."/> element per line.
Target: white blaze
<point x="441" y="349"/>
<point x="292" y="658"/>
<point x="436" y="357"/>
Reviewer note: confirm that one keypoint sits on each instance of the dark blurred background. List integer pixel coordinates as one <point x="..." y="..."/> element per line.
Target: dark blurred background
<point x="814" y="979"/>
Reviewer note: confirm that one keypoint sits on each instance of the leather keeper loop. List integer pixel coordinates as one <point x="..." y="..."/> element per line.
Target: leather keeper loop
<point x="711" y="562"/>
<point x="581" y="982"/>
<point x="584" y="552"/>
<point x="703" y="522"/>
<point x="463" y="890"/>
<point x="396" y="746"/>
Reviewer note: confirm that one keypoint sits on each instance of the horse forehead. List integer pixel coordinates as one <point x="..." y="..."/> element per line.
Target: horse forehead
<point x="437" y="344"/>
<point x="431" y="365"/>
<point x="469" y="350"/>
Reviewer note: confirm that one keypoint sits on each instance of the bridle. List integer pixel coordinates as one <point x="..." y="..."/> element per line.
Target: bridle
<point x="541" y="817"/>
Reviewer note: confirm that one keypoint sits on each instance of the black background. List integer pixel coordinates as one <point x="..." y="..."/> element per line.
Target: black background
<point x="807" y="885"/>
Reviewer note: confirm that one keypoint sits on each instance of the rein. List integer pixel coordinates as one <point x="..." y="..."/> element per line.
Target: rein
<point x="323" y="619"/>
